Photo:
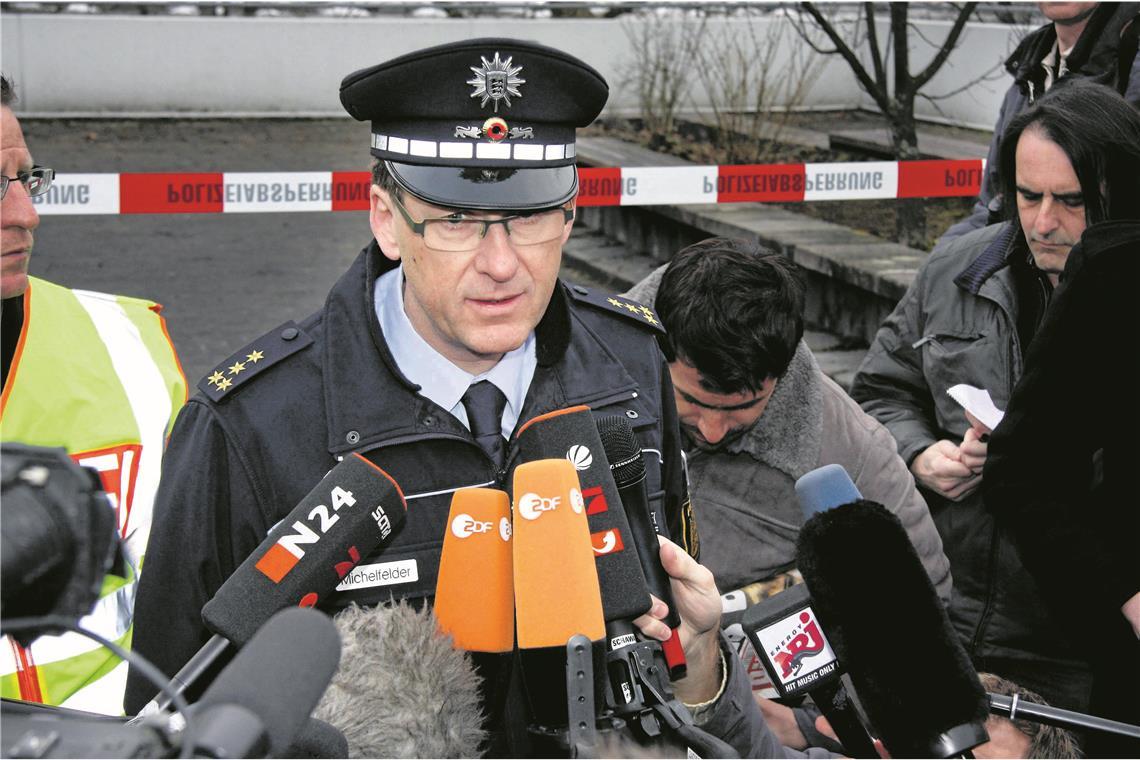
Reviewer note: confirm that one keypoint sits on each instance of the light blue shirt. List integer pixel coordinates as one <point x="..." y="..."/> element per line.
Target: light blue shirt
<point x="439" y="379"/>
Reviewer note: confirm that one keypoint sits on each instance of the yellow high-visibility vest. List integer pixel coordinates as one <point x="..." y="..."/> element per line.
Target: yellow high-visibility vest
<point x="95" y="374"/>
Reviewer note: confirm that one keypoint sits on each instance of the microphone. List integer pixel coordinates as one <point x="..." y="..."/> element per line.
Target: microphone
<point x="262" y="700"/>
<point x="356" y="508"/>
<point x="401" y="689"/>
<point x="845" y="554"/>
<point x="572" y="435"/>
<point x="787" y="637"/>
<point x="624" y="454"/>
<point x="825" y="488"/>
<point x="474" y="592"/>
<point x="557" y="598"/>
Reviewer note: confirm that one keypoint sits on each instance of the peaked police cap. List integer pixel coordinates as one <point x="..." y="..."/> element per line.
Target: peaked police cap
<point x="485" y="124"/>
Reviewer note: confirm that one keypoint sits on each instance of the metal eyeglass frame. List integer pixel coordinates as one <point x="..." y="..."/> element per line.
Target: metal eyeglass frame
<point x="42" y="172"/>
<point x="420" y="226"/>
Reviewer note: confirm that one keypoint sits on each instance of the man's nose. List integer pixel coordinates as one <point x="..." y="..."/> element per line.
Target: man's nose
<point x="496" y="255"/>
<point x="712" y="427"/>
<point x="17" y="208"/>
<point x="1046" y="221"/>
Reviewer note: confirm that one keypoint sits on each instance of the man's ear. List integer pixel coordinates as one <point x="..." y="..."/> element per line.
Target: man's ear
<point x="382" y="219"/>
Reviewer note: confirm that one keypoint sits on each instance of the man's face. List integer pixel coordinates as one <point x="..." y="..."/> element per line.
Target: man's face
<point x="713" y="420"/>
<point x="1062" y="13"/>
<point x="1049" y="201"/>
<point x="18" y="217"/>
<point x="472" y="306"/>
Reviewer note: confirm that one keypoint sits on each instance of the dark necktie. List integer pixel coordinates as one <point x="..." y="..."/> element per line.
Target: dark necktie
<point x="484" y="403"/>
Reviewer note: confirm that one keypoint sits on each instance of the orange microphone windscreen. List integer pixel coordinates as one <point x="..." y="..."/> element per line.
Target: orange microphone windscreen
<point x="556" y="581"/>
<point x="474" y="592"/>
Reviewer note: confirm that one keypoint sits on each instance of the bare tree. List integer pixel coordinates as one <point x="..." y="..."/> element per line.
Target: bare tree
<point x="658" y="68"/>
<point x="753" y="76"/>
<point x="894" y="92"/>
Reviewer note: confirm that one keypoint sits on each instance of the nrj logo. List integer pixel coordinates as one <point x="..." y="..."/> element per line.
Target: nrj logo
<point x="531" y="505"/>
<point x="464" y="525"/>
<point x="805" y="643"/>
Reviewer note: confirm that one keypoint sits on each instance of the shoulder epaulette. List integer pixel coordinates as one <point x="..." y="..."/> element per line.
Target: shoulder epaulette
<point x="252" y="360"/>
<point x="627" y="307"/>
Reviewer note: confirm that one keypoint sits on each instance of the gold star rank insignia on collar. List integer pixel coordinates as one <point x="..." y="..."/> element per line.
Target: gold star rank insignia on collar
<point x="617" y="304"/>
<point x="253" y="360"/>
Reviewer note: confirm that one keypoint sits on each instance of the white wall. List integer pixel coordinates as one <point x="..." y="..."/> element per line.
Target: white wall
<point x="140" y="65"/>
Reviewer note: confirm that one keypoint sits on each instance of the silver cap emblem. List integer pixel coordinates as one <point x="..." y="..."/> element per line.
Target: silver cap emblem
<point x="496" y="80"/>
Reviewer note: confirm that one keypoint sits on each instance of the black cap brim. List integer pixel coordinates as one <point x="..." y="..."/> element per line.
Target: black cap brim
<point x="497" y="189"/>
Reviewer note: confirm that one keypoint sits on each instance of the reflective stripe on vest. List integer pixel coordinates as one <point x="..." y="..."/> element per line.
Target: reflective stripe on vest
<point x="95" y="374"/>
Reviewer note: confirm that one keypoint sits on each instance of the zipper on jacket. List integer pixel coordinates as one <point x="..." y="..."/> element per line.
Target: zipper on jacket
<point x="987" y="606"/>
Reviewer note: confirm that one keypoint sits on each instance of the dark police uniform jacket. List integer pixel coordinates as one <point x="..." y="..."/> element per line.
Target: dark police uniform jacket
<point x="272" y="420"/>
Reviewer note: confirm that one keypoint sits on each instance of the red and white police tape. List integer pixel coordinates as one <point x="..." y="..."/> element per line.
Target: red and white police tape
<point x="259" y="192"/>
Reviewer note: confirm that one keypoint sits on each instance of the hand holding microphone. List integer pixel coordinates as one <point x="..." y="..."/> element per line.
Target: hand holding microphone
<point x="699" y="606"/>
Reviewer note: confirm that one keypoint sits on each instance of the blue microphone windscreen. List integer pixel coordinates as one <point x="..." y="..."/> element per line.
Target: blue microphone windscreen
<point x="825" y="488"/>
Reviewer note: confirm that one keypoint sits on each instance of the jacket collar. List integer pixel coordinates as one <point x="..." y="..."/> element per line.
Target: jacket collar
<point x="1094" y="55"/>
<point x="370" y="402"/>
<point x="993" y="259"/>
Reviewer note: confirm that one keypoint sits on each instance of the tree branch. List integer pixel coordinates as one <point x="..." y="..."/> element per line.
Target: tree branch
<point x="880" y="95"/>
<point x="873" y="43"/>
<point x="903" y="82"/>
<point x="944" y="52"/>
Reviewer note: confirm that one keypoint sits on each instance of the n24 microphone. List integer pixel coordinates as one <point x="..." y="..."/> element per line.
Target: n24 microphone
<point x="355" y="509"/>
<point x="891" y="632"/>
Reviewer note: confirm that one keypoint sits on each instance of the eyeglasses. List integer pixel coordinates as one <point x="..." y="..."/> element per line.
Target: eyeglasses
<point x="456" y="233"/>
<point x="36" y="182"/>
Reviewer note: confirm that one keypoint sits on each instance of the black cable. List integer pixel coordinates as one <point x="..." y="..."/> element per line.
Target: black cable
<point x="134" y="659"/>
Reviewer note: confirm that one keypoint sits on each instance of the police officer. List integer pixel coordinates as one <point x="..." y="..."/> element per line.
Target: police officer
<point x="449" y="331"/>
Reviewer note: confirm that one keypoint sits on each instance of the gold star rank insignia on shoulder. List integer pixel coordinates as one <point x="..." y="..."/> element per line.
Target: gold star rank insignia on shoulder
<point x="253" y="360"/>
<point x="616" y="304"/>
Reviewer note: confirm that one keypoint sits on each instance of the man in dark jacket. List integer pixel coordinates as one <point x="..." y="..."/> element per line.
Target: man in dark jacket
<point x="1075" y="411"/>
<point x="972" y="307"/>
<point x="1095" y="41"/>
<point x="448" y="333"/>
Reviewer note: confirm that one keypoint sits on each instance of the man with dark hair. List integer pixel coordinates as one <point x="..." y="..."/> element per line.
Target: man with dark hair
<point x="1068" y="162"/>
<point x="757" y="413"/>
<point x="449" y="331"/>
<point x="94" y="374"/>
<point x="1092" y="41"/>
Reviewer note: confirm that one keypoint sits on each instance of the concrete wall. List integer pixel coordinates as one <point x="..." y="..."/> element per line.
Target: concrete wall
<point x="154" y="65"/>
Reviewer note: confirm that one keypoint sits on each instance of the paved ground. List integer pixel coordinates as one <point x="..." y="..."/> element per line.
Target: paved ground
<point x="227" y="278"/>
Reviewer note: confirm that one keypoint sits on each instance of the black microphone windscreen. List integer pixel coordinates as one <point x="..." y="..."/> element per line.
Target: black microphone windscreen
<point x="622" y="449"/>
<point x="572" y="434"/>
<point x="889" y="628"/>
<point x="353" y="510"/>
<point x="402" y="690"/>
<point x="279" y="675"/>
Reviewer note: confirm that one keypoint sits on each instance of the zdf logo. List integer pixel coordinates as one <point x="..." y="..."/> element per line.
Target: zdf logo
<point x="531" y="505"/>
<point x="464" y="525"/>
